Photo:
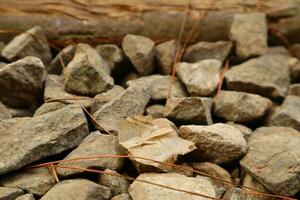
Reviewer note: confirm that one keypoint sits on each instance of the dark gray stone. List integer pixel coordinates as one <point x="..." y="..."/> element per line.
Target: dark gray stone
<point x="111" y="53"/>
<point x="114" y="181"/>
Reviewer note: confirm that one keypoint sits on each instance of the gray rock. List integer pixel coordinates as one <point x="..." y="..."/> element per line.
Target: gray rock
<point x="129" y="103"/>
<point x="159" y="86"/>
<point x="26" y="197"/>
<point x="247" y="132"/>
<point x="267" y="76"/>
<point x="207" y="50"/>
<point x="21" y="82"/>
<point x="87" y="73"/>
<point x="234" y="194"/>
<point x="294" y="89"/>
<point x="217" y="143"/>
<point x="201" y="78"/>
<point x="240" y="107"/>
<point x="295" y="73"/>
<point x="114" y="181"/>
<point x="140" y="190"/>
<point x="61" y="60"/>
<point x="36" y="181"/>
<point x="278" y="50"/>
<point x="249" y="32"/>
<point x="272" y="159"/>
<point x="140" y="51"/>
<point x="4" y="112"/>
<point x="191" y="110"/>
<point x="123" y="196"/>
<point x="111" y="53"/>
<point x="77" y="189"/>
<point x="31" y="139"/>
<point x="288" y="114"/>
<point x="49" y="107"/>
<point x="155" y="139"/>
<point x="103" y="98"/>
<point x="165" y="54"/>
<point x="10" y="193"/>
<point x="215" y="171"/>
<point x="155" y="111"/>
<point x="33" y="42"/>
<point x="54" y="89"/>
<point x="94" y="144"/>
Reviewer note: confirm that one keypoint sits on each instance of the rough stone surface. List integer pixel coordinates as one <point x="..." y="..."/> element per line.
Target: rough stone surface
<point x="131" y="102"/>
<point x="191" y="110"/>
<point x="140" y="51"/>
<point x="249" y="32"/>
<point x="217" y="143"/>
<point x="139" y="190"/>
<point x="165" y="54"/>
<point x="295" y="73"/>
<point x="26" y="197"/>
<point x="49" y="107"/>
<point x="155" y="111"/>
<point x="278" y="50"/>
<point x="294" y="89"/>
<point x="94" y="144"/>
<point x="111" y="53"/>
<point x="123" y="196"/>
<point x="207" y="50"/>
<point x="159" y="86"/>
<point x="4" y="112"/>
<point x="247" y="132"/>
<point x="240" y="107"/>
<point x="114" y="181"/>
<point x="155" y="139"/>
<point x="36" y="181"/>
<point x="272" y="159"/>
<point x="10" y="193"/>
<point x="77" y="189"/>
<point x="24" y="140"/>
<point x="61" y="60"/>
<point x="30" y="43"/>
<point x="21" y="112"/>
<point x="201" y="78"/>
<point x="103" y="98"/>
<point x="267" y="76"/>
<point x="234" y="194"/>
<point x="21" y="82"/>
<point x="87" y="73"/>
<point x="288" y="114"/>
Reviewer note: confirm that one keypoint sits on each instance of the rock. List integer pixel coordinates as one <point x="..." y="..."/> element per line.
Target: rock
<point x="295" y="48"/>
<point x="267" y="76"/>
<point x="183" y="169"/>
<point x="165" y="54"/>
<point x="21" y="112"/>
<point x="140" y="190"/>
<point x="247" y="132"/>
<point x="87" y="73"/>
<point x="111" y="53"/>
<point x="114" y="181"/>
<point x="278" y="50"/>
<point x="131" y="102"/>
<point x="140" y="51"/>
<point x="207" y="50"/>
<point x="159" y="86"/>
<point x="103" y="98"/>
<point x="2" y="64"/>
<point x="155" y="111"/>
<point x="234" y="194"/>
<point x="154" y="139"/>
<point x="36" y="181"/>
<point x="31" y="139"/>
<point x="21" y="82"/>
<point x="49" y="107"/>
<point x="295" y="73"/>
<point x="94" y="144"/>
<point x="128" y="77"/>
<point x="294" y="89"/>
<point x="4" y="112"/>
<point x="54" y="89"/>
<point x="217" y="143"/>
<point x="214" y="171"/>
<point x="187" y="110"/>
<point x="274" y="149"/>
<point x="77" y="189"/>
<point x="61" y="60"/>
<point x="201" y="78"/>
<point x="288" y="114"/>
<point x="10" y="193"/>
<point x="249" y="33"/>
<point x="2" y="45"/>
<point x="124" y="196"/>
<point x="33" y="42"/>
<point x="240" y="107"/>
<point x="26" y="197"/>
